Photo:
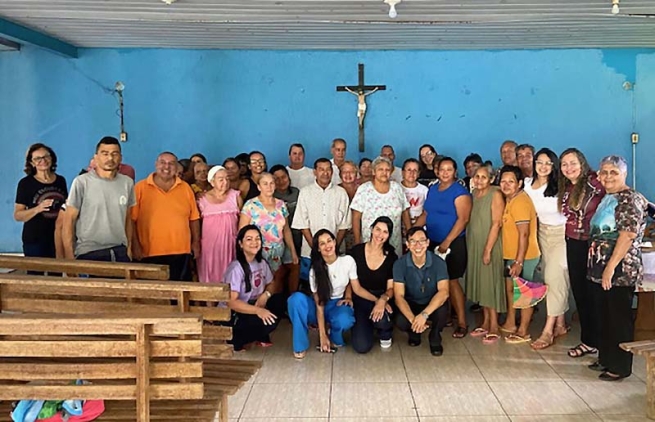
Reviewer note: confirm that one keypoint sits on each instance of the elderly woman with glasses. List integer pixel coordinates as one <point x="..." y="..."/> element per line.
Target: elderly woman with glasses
<point x="39" y="198"/>
<point x="614" y="265"/>
<point x="380" y="197"/>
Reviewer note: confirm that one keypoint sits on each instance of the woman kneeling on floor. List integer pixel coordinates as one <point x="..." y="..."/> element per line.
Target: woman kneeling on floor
<point x="373" y="287"/>
<point x="329" y="279"/>
<point x="255" y="307"/>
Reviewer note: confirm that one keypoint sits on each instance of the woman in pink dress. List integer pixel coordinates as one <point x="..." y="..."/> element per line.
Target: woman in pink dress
<point x="219" y="209"/>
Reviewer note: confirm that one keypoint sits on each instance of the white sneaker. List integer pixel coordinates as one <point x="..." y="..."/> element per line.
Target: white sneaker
<point x="385" y="344"/>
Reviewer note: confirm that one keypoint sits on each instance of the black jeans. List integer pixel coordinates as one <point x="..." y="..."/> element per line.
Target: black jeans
<point x="247" y="328"/>
<point x="40" y="250"/>
<point x="582" y="288"/>
<point x="179" y="266"/>
<point x="437" y="318"/>
<point x="362" y="331"/>
<point x="114" y="254"/>
<point x="616" y="326"/>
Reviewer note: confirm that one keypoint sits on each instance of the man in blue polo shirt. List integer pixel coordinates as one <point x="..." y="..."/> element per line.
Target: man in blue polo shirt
<point x="420" y="290"/>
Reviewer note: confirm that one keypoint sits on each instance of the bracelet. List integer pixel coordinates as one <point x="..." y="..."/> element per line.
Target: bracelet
<point x="384" y="297"/>
<point x="425" y="315"/>
<point x="517" y="262"/>
<point x="268" y="294"/>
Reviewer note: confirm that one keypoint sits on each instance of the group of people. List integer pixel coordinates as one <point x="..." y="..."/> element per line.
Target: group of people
<point x="364" y="246"/>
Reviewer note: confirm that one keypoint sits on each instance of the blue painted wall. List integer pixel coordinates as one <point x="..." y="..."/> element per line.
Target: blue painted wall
<point x="225" y="102"/>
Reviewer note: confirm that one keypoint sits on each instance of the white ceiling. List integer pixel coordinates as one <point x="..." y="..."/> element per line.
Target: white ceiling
<point x="339" y="24"/>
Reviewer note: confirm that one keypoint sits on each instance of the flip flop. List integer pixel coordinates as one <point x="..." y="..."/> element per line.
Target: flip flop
<point x="542" y="342"/>
<point x="506" y="331"/>
<point x="479" y="332"/>
<point x="517" y="339"/>
<point x="490" y="339"/>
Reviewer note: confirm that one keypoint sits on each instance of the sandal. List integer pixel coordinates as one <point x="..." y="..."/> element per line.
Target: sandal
<point x="580" y="350"/>
<point x="505" y="330"/>
<point x="299" y="355"/>
<point x="561" y="330"/>
<point x="490" y="338"/>
<point x="479" y="332"/>
<point x="517" y="339"/>
<point x="544" y="341"/>
<point x="460" y="332"/>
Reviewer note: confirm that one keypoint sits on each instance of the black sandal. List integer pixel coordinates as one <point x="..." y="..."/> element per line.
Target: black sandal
<point x="460" y="332"/>
<point x="580" y="350"/>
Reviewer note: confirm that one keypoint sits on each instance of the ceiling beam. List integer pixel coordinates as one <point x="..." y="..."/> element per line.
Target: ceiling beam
<point x="29" y="36"/>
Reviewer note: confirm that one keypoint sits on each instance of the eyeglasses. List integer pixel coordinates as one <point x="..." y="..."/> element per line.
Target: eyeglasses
<point x="40" y="159"/>
<point x="260" y="161"/>
<point x="427" y="154"/>
<point x="544" y="163"/>
<point x="414" y="242"/>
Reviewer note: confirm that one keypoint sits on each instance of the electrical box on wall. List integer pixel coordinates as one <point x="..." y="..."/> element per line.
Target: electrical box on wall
<point x="123" y="136"/>
<point x="635" y="138"/>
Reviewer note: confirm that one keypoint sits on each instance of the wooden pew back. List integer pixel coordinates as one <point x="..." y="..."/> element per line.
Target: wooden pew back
<point x="124" y="357"/>
<point x="63" y="295"/>
<point x="127" y="270"/>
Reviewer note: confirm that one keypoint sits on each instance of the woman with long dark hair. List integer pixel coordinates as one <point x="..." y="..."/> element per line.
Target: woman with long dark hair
<point x="373" y="287"/>
<point x="39" y="197"/>
<point x="426" y="155"/>
<point x="579" y="193"/>
<point x="329" y="280"/>
<point x="543" y="189"/>
<point x="255" y="306"/>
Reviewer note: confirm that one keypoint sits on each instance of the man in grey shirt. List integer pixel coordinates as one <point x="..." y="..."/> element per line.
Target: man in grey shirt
<point x="97" y="223"/>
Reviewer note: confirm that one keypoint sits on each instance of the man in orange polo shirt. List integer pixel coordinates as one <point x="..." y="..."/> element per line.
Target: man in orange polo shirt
<point x="166" y="219"/>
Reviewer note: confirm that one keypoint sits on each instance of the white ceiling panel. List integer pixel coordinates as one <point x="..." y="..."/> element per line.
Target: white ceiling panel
<point x="339" y="24"/>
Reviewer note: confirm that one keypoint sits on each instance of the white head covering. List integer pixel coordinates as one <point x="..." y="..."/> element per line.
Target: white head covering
<point x="212" y="172"/>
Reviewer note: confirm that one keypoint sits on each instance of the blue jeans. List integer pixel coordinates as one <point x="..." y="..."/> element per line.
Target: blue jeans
<point x="39" y="250"/>
<point x="302" y="312"/>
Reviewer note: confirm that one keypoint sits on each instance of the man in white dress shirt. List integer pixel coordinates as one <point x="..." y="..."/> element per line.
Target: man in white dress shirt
<point x="321" y="205"/>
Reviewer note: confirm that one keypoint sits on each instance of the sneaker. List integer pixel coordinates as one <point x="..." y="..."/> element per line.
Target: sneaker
<point x="385" y="344"/>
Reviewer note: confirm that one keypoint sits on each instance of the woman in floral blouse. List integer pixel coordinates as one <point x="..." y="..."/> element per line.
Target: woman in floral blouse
<point x="615" y="265"/>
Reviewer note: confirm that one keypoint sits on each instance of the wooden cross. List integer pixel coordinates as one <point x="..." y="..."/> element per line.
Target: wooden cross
<point x="361" y="91"/>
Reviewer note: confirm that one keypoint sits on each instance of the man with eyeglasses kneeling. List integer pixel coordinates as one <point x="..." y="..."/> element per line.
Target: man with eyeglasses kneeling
<point x="421" y="290"/>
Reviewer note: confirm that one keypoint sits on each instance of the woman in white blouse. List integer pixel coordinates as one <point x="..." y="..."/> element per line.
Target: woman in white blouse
<point x="543" y="189"/>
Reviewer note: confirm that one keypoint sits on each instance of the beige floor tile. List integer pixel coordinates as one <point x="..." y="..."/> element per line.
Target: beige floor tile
<point x="284" y="420"/>
<point x="375" y="366"/>
<point x="570" y="369"/>
<point x="538" y="398"/>
<point x="422" y="368"/>
<point x="451" y="346"/>
<point x="455" y="399"/>
<point x="556" y="418"/>
<point x="624" y="418"/>
<point x="283" y="369"/>
<point x="371" y="400"/>
<point x="514" y="368"/>
<point x="236" y="402"/>
<point x="288" y="401"/>
<point x="613" y="398"/>
<point x="377" y="419"/>
<point x="465" y="419"/>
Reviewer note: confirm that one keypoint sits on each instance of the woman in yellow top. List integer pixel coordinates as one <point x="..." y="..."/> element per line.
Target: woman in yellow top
<point x="520" y="248"/>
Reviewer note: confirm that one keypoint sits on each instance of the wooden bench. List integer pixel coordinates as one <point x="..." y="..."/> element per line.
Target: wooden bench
<point x="646" y="348"/>
<point x="127" y="270"/>
<point x="56" y="295"/>
<point x="124" y="358"/>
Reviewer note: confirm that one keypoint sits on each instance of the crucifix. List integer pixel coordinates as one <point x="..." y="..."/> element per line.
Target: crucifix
<point x="361" y="91"/>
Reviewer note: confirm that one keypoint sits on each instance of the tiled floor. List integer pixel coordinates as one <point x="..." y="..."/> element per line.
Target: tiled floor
<point x="470" y="382"/>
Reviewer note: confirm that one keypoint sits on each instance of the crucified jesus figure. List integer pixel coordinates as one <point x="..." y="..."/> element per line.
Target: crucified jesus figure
<point x="361" y="104"/>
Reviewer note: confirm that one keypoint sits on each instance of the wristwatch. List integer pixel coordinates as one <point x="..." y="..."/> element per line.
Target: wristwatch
<point x="384" y="297"/>
<point x="425" y="315"/>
